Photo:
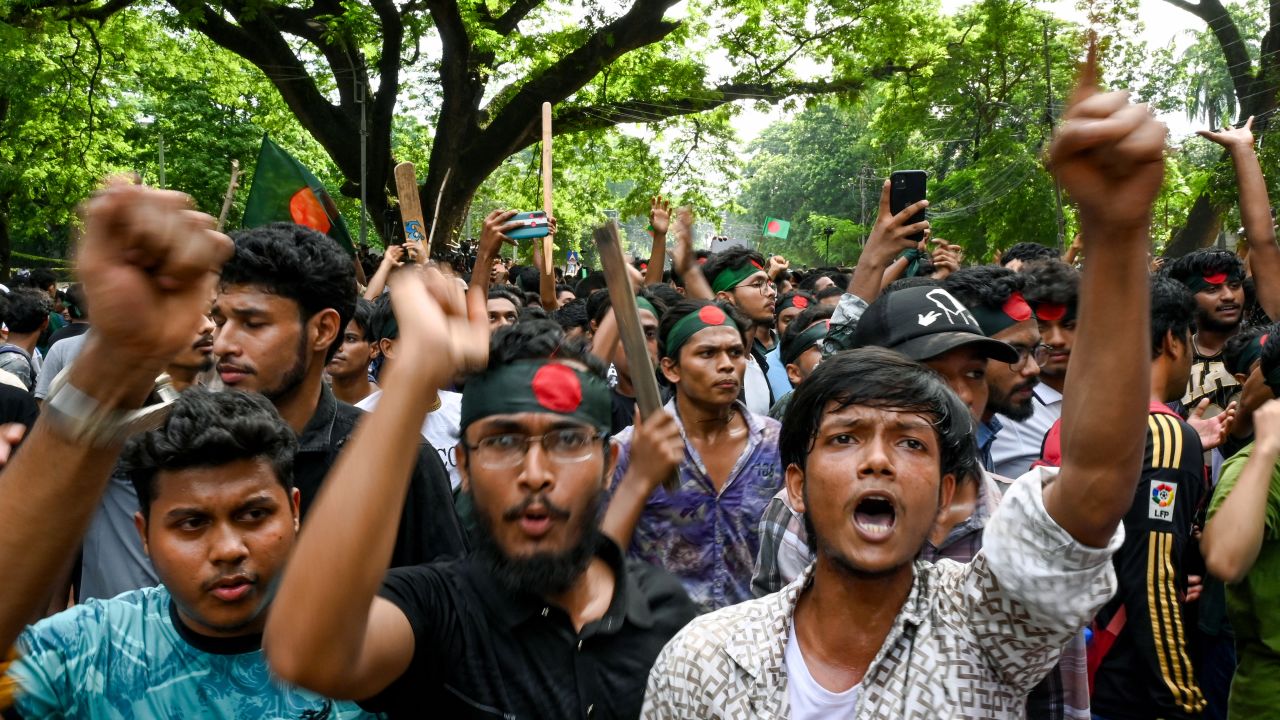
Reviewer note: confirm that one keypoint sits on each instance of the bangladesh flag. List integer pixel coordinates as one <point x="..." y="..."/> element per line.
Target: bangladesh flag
<point x="284" y="190"/>
<point x="774" y="227"/>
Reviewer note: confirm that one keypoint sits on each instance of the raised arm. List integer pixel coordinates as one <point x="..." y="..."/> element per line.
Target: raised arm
<point x="685" y="263"/>
<point x="1233" y="536"/>
<point x="660" y="219"/>
<point x="332" y="634"/>
<point x="1255" y="213"/>
<point x="148" y="263"/>
<point x="1109" y="155"/>
<point x="492" y="235"/>
<point x="391" y="259"/>
<point x="890" y="236"/>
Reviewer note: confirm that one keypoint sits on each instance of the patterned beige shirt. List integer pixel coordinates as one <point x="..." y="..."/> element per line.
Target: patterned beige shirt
<point x="970" y="641"/>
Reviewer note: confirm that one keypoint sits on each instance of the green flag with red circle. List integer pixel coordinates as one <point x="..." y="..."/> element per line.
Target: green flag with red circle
<point x="284" y="190"/>
<point x="773" y="227"/>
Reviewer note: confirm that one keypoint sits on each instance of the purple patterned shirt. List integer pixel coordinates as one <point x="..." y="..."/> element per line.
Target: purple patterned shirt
<point x="709" y="540"/>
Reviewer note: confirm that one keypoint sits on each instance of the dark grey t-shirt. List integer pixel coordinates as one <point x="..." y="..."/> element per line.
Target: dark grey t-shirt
<point x="113" y="560"/>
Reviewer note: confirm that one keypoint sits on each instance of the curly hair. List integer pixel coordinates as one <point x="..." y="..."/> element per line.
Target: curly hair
<point x="539" y="340"/>
<point x="1051" y="281"/>
<point x="27" y="309"/>
<point x="1027" y="252"/>
<point x="297" y="263"/>
<point x="207" y="428"/>
<point x="1206" y="261"/>
<point x="984" y="286"/>
<point x="572" y="314"/>
<point x="1236" y="350"/>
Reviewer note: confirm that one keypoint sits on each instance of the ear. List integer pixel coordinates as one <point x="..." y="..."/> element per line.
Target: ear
<point x="464" y="470"/>
<point x="795" y="487"/>
<point x="947" y="490"/>
<point x="1240" y="377"/>
<point x="670" y="370"/>
<point x="611" y="463"/>
<point x="387" y="348"/>
<point x="140" y="524"/>
<point x="727" y="296"/>
<point x="1172" y="345"/>
<point x="793" y="373"/>
<point x="327" y="326"/>
<point x="295" y="507"/>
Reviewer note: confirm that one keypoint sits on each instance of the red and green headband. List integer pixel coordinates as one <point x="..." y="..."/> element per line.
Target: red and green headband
<point x="540" y="386"/>
<point x="730" y="278"/>
<point x="1209" y="280"/>
<point x="994" y="320"/>
<point x="704" y="317"/>
<point x="1054" y="312"/>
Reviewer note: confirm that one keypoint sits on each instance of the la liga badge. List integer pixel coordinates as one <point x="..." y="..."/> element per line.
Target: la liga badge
<point x="1160" y="503"/>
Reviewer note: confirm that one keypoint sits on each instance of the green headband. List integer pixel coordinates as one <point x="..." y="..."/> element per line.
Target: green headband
<point x="643" y="303"/>
<point x="729" y="278"/>
<point x="540" y="386"/>
<point x="914" y="256"/>
<point x="1200" y="284"/>
<point x="811" y="335"/>
<point x="689" y="325"/>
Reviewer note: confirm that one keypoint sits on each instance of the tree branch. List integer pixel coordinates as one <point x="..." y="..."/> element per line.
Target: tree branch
<point x="1226" y="32"/>
<point x="506" y="23"/>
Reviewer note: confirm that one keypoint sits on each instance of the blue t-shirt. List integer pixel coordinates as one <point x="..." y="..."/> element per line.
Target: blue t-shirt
<point x="125" y="658"/>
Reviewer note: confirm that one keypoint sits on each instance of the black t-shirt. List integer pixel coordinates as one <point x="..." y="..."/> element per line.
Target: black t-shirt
<point x="623" y="408"/>
<point x="68" y="331"/>
<point x="429" y="527"/>
<point x="480" y="652"/>
<point x="17" y="406"/>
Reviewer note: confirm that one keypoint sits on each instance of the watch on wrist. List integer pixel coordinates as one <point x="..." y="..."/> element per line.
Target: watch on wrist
<point x="81" y="419"/>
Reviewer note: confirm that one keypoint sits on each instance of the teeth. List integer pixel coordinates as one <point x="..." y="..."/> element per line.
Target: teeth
<point x="871" y="529"/>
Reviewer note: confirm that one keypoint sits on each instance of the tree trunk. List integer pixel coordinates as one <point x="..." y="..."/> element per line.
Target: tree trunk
<point x="1201" y="229"/>
<point x="5" y="247"/>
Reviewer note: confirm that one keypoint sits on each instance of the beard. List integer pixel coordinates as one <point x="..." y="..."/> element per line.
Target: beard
<point x="543" y="574"/>
<point x="292" y="378"/>
<point x="1002" y="403"/>
<point x="1206" y="321"/>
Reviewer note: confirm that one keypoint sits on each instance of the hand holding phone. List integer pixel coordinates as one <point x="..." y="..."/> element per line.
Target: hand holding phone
<point x="906" y="188"/>
<point x="530" y="225"/>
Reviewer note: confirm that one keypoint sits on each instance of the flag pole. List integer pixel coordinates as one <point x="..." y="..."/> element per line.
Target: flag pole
<point x="546" y="184"/>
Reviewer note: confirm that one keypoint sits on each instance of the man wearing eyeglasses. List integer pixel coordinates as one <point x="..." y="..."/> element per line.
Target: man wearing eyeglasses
<point x="738" y="277"/>
<point x="545" y="619"/>
<point x="995" y="297"/>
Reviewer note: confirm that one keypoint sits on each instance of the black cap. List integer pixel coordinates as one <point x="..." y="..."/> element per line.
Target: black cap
<point x="925" y="322"/>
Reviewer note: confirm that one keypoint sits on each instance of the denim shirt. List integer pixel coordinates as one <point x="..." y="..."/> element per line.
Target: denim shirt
<point x="987" y="431"/>
<point x="709" y="540"/>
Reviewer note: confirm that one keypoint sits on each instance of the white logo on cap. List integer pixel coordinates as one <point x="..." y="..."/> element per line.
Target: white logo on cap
<point x="928" y="319"/>
<point x="952" y="307"/>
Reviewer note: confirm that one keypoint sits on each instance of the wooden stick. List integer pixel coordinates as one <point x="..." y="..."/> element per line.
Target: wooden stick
<point x="435" y="217"/>
<point x="627" y="316"/>
<point x="410" y="206"/>
<point x="231" y="194"/>
<point x="546" y="184"/>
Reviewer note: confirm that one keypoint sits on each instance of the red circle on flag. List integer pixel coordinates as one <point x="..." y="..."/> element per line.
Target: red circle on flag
<point x="305" y="209"/>
<point x="801" y="302"/>
<point x="1216" y="279"/>
<point x="1016" y="308"/>
<point x="774" y="226"/>
<point x="711" y="315"/>
<point x="557" y="388"/>
<point x="1051" y="312"/>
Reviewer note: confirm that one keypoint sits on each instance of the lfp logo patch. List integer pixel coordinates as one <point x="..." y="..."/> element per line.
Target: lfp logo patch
<point x="1160" y="507"/>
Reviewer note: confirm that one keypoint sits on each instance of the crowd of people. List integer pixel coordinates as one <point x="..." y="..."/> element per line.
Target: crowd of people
<point x="236" y="484"/>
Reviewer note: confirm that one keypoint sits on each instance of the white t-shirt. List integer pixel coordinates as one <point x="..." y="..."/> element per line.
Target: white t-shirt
<point x="809" y="700"/>
<point x="756" y="388"/>
<point x="440" y="428"/>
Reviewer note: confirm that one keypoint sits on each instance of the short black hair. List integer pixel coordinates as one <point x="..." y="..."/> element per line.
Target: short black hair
<point x="879" y="378"/>
<point x="1027" y="252"/>
<point x="687" y="307"/>
<point x="27" y="310"/>
<point x="526" y="278"/>
<point x="662" y="296"/>
<point x="589" y="284"/>
<point x="1051" y="281"/>
<point x="1271" y="353"/>
<point x="1173" y="310"/>
<point x="598" y="303"/>
<point x="733" y="257"/>
<point x="572" y="314"/>
<point x="910" y="282"/>
<point x="985" y="286"/>
<point x="382" y="320"/>
<point x="363" y="317"/>
<point x="830" y="292"/>
<point x="507" y="292"/>
<point x="41" y="279"/>
<point x="1233" y="351"/>
<point x="561" y="287"/>
<point x="208" y="428"/>
<point x="75" y="302"/>
<point x="297" y="263"/>
<point x="800" y="323"/>
<point x="532" y="312"/>
<point x="539" y="340"/>
<point x="1206" y="261"/>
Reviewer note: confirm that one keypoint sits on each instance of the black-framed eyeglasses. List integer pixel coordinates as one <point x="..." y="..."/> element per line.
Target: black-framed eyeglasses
<point x="1039" y="353"/>
<point x="565" y="446"/>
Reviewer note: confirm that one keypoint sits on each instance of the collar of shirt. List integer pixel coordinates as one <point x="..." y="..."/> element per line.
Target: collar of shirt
<point x="1046" y="395"/>
<point x="317" y="435"/>
<point x="755" y="434"/>
<point x="628" y="602"/>
<point x="987" y="431"/>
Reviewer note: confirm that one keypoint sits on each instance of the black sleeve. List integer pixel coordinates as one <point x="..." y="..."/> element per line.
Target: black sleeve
<point x="17" y="406"/>
<point x="429" y="527"/>
<point x="424" y="594"/>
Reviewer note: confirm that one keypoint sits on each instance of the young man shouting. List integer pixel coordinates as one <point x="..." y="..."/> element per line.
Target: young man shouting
<point x="873" y="445"/>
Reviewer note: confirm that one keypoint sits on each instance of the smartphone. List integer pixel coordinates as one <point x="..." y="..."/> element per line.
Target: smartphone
<point x="532" y="225"/>
<point x="907" y="187"/>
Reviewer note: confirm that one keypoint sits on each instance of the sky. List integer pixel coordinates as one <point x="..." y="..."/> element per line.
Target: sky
<point x="1163" y="23"/>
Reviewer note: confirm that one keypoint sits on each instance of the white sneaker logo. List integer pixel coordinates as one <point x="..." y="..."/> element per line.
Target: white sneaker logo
<point x="928" y="319"/>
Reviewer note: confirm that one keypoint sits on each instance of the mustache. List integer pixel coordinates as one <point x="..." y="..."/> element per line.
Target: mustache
<point x="554" y="511"/>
